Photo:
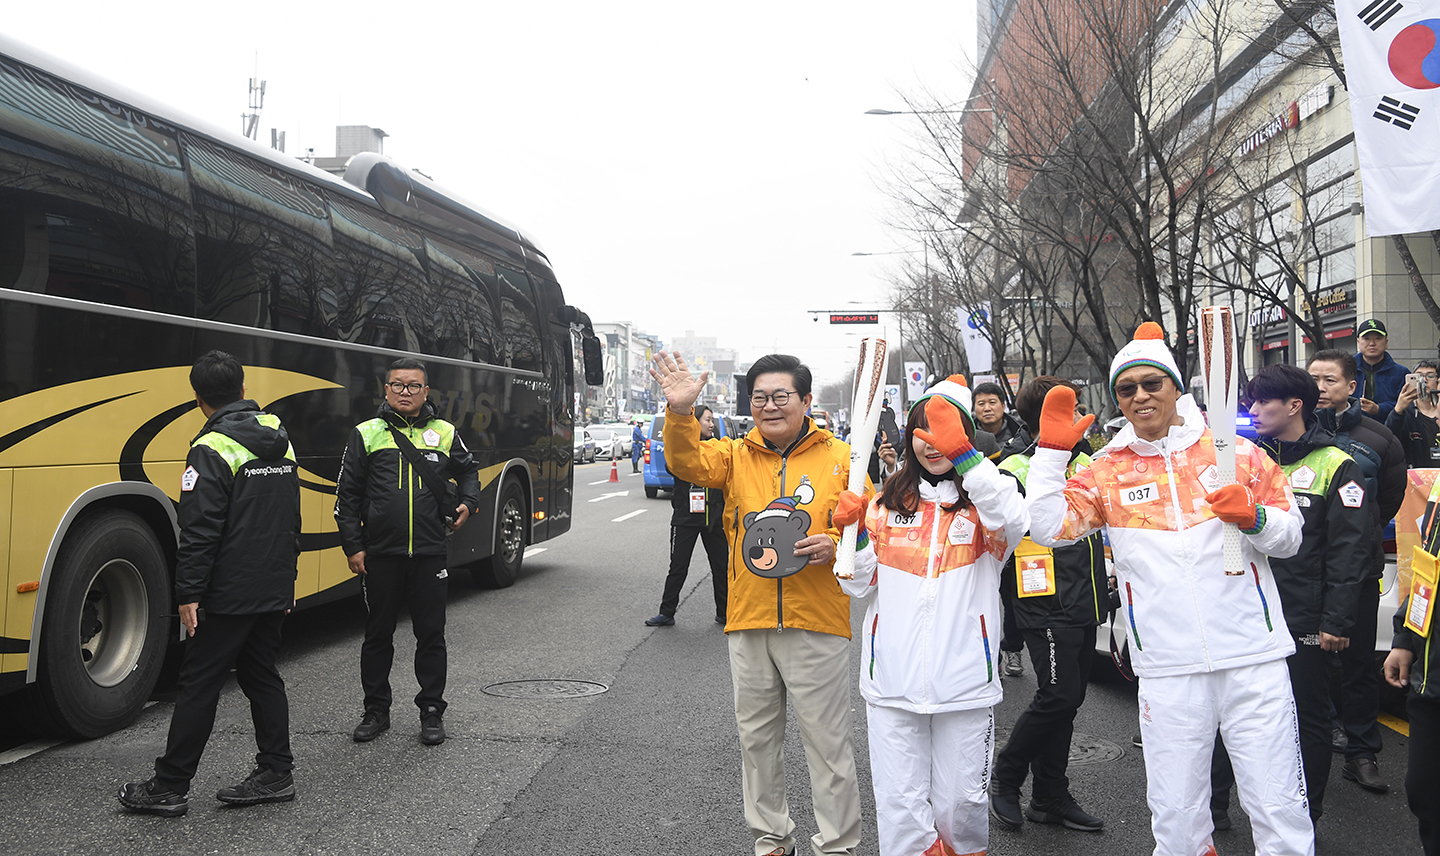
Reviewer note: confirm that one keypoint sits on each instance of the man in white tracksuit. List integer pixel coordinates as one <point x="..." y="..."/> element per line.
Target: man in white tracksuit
<point x="1209" y="642"/>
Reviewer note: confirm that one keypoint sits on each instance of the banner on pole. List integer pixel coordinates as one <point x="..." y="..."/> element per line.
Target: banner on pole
<point x="914" y="380"/>
<point x="1392" y="70"/>
<point x="974" y="322"/>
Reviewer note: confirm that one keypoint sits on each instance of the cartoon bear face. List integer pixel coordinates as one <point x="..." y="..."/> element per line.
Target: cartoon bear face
<point x="769" y="542"/>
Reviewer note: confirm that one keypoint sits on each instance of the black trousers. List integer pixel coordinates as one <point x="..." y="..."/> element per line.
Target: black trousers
<point x="1011" y="639"/>
<point x="1422" y="777"/>
<point x="1308" y="670"/>
<point x="1360" y="684"/>
<point x="249" y="645"/>
<point x="421" y="583"/>
<point x="682" y="547"/>
<point x="1040" y="740"/>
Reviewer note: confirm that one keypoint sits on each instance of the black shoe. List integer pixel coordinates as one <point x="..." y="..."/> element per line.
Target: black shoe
<point x="1006" y="809"/>
<point x="150" y="797"/>
<point x="1221" y="817"/>
<point x="1365" y="772"/>
<point x="1012" y="665"/>
<point x="720" y="619"/>
<point x="661" y="620"/>
<point x="1338" y="740"/>
<point x="264" y="785"/>
<point x="372" y="725"/>
<point x="1066" y="812"/>
<point x="432" y="729"/>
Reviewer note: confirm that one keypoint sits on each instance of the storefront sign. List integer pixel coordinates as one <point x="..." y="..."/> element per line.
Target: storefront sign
<point x="1266" y="315"/>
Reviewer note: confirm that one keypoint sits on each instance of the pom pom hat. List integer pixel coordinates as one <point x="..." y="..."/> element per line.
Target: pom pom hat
<point x="954" y="390"/>
<point x="1148" y="348"/>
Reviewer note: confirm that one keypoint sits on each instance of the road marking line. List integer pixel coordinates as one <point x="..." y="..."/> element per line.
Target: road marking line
<point x="530" y="551"/>
<point x="604" y="496"/>
<point x="25" y="751"/>
<point x="602" y="481"/>
<point x="625" y="517"/>
<point x="1394" y="724"/>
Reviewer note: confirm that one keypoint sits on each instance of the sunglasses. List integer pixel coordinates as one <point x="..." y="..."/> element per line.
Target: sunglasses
<point x="1151" y="385"/>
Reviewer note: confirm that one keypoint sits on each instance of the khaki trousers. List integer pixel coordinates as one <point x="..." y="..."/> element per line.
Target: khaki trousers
<point x="813" y="670"/>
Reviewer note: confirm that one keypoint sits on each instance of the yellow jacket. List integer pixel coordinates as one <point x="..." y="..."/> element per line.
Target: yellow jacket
<point x="760" y="488"/>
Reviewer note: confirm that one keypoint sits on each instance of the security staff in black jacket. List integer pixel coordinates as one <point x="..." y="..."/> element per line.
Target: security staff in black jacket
<point x="239" y="539"/>
<point x="1320" y="585"/>
<point x="1382" y="460"/>
<point x="1415" y="660"/>
<point x="1057" y="605"/>
<point x="698" y="513"/>
<point x="393" y="529"/>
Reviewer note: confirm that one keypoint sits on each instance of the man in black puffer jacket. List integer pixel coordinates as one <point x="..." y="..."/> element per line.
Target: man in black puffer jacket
<point x="1382" y="460"/>
<point x="1057" y="605"/>
<point x="392" y="529"/>
<point x="239" y="538"/>
<point x="699" y="512"/>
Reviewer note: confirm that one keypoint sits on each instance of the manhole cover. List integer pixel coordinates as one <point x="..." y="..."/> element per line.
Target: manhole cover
<point x="1084" y="749"/>
<point x="545" y="689"/>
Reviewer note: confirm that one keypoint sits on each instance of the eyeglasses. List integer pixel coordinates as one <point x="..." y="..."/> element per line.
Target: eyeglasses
<point x="397" y="387"/>
<point x="780" y="397"/>
<point x="1151" y="385"/>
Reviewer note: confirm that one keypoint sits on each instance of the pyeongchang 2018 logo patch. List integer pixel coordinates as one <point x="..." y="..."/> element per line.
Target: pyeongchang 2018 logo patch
<point x="281" y="470"/>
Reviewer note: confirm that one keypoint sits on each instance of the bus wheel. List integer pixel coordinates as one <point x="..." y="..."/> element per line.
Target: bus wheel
<point x="503" y="565"/>
<point x="104" y="637"/>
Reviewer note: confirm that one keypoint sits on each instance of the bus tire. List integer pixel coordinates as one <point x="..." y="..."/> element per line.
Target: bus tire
<point x="104" y="637"/>
<point x="502" y="567"/>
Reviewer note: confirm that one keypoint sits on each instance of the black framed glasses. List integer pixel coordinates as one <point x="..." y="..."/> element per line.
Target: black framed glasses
<point x="1151" y="385"/>
<point x="399" y="388"/>
<point x="781" y="397"/>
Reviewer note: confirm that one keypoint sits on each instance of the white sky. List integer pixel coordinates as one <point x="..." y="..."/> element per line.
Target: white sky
<point x="685" y="167"/>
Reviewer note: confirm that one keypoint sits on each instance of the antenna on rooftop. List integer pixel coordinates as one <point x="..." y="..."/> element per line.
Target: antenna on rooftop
<point x="257" y="101"/>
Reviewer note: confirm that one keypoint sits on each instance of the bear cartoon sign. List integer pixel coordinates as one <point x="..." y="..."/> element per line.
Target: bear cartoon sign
<point x="771" y="535"/>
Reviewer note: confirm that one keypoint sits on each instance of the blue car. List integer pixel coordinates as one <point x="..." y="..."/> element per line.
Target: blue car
<point x="657" y="478"/>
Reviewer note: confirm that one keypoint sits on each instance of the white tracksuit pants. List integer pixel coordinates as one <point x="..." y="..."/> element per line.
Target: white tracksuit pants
<point x="931" y="775"/>
<point x="1255" y="712"/>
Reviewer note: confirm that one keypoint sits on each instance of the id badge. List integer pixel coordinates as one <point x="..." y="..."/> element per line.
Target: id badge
<point x="1034" y="569"/>
<point x="1424" y="577"/>
<point x="697" y="500"/>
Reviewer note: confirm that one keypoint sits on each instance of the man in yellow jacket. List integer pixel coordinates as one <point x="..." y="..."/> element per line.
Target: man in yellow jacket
<point x="788" y="622"/>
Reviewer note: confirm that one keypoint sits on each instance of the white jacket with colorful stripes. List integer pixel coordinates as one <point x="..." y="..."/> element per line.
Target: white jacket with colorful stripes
<point x="931" y="637"/>
<point x="1184" y="613"/>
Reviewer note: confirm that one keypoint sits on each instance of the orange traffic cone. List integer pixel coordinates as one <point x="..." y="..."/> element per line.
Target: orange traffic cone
<point x="614" y="470"/>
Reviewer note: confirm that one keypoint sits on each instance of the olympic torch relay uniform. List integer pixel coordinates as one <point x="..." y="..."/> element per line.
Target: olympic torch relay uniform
<point x="929" y="645"/>
<point x="1209" y="646"/>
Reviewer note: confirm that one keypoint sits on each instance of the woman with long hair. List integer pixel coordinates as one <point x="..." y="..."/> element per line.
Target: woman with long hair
<point x="929" y="557"/>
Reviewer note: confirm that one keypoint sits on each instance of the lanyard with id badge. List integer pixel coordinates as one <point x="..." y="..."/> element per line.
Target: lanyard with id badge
<point x="1034" y="569"/>
<point x="1423" y="581"/>
<point x="697" y="499"/>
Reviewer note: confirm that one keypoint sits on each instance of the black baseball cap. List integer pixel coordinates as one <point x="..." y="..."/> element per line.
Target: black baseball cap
<point x="1372" y="326"/>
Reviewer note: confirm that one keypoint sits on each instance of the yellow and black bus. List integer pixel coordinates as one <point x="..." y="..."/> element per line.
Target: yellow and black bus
<point x="132" y="240"/>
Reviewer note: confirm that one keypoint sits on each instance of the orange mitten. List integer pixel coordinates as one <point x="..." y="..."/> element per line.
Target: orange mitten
<point x="1058" y="428"/>
<point x="947" y="433"/>
<point x="850" y="509"/>
<point x="1233" y="503"/>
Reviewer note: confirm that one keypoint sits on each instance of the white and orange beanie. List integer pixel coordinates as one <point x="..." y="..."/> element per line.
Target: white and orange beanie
<point x="955" y="390"/>
<point x="1148" y="348"/>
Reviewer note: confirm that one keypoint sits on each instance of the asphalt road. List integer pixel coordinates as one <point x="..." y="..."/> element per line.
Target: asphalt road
<point x="649" y="765"/>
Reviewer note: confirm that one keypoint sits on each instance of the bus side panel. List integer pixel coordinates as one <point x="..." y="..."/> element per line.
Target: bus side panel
<point x="14" y="657"/>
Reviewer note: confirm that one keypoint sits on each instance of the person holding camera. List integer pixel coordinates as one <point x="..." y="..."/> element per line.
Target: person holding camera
<point x="1416" y="417"/>
<point x="392" y="527"/>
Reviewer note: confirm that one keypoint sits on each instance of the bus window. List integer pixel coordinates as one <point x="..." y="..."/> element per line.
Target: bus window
<point x="464" y="316"/>
<point x="518" y="319"/>
<point x="263" y="243"/>
<point x="382" y="294"/>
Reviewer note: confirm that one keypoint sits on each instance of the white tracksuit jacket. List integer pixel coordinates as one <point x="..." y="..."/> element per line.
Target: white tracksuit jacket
<point x="932" y="633"/>
<point x="1183" y="613"/>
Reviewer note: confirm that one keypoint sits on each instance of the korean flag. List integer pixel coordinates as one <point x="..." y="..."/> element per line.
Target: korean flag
<point x="1392" y="67"/>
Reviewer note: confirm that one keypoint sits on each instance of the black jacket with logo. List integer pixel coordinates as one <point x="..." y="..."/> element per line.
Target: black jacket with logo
<point x="382" y="505"/>
<point x="1081" y="597"/>
<point x="1381" y="459"/>
<point x="711" y="518"/>
<point x="239" y="515"/>
<point x="1320" y="585"/>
